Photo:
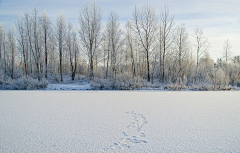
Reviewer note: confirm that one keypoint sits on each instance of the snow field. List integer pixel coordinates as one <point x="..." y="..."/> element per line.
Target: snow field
<point x="119" y="121"/>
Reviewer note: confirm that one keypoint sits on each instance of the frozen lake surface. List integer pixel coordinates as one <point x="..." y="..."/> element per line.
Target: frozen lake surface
<point x="119" y="121"/>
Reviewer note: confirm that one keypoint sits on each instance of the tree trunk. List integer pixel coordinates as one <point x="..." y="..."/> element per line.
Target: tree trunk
<point x="46" y="55"/>
<point x="60" y="54"/>
<point x="148" y="67"/>
<point x="13" y="52"/>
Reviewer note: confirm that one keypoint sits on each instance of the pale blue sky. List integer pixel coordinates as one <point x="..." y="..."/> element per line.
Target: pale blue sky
<point x="220" y="19"/>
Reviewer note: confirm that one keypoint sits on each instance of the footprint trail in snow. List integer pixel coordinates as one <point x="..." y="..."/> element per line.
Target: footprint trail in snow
<point x="133" y="133"/>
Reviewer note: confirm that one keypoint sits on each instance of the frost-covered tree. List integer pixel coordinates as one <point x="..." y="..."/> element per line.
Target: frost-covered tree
<point x="60" y="38"/>
<point x="145" y="26"/>
<point x="46" y="29"/>
<point x="12" y="48"/>
<point x="236" y="59"/>
<point x="22" y="42"/>
<point x="72" y="48"/>
<point x="113" y="34"/>
<point x="227" y="50"/>
<point x="130" y="43"/>
<point x="181" y="50"/>
<point x="3" y="48"/>
<point x="36" y="44"/>
<point x="90" y="31"/>
<point x="206" y="68"/>
<point x="201" y="43"/>
<point x="165" y="37"/>
<point x="1" y="44"/>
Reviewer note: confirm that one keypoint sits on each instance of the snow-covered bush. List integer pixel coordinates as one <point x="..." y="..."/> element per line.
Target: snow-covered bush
<point x="23" y="83"/>
<point x="1" y="77"/>
<point x="101" y="84"/>
<point x="125" y="81"/>
<point x="81" y="78"/>
<point x="221" y="80"/>
<point x="120" y="82"/>
<point x="42" y="84"/>
<point x="175" y="86"/>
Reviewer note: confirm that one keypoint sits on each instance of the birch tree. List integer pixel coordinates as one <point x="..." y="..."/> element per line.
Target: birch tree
<point x="47" y="29"/>
<point x="12" y="48"/>
<point x="165" y="37"/>
<point x="72" y="47"/>
<point x="201" y="44"/>
<point x="145" y="26"/>
<point x="60" y="37"/>
<point x="4" y="48"/>
<point x="181" y="49"/>
<point x="90" y="31"/>
<point x="1" y="43"/>
<point x="130" y="43"/>
<point x="37" y="48"/>
<point x="114" y="36"/>
<point x="227" y="50"/>
<point x="22" y="41"/>
<point x="33" y="35"/>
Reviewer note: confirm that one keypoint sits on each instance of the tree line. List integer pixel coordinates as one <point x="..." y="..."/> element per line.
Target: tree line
<point x="150" y="47"/>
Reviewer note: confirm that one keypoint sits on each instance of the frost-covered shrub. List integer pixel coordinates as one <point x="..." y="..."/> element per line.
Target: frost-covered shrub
<point x="23" y="83"/>
<point x="9" y="81"/>
<point x="54" y="77"/>
<point x="6" y="84"/>
<point x="205" y="87"/>
<point x="101" y="84"/>
<point x="125" y="81"/>
<point x="180" y="84"/>
<point x="120" y="82"/>
<point x="42" y="84"/>
<point x="81" y="77"/>
<point x="175" y="86"/>
<point x="221" y="80"/>
<point x="1" y="78"/>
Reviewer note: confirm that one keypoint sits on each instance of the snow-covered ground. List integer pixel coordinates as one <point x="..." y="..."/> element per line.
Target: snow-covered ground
<point x="119" y="121"/>
<point x="81" y="83"/>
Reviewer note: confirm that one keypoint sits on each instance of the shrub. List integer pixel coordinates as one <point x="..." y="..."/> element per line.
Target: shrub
<point x="23" y="83"/>
<point x="120" y="82"/>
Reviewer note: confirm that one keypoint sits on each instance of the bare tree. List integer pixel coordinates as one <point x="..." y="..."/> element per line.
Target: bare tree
<point x="202" y="43"/>
<point x="36" y="42"/>
<point x="165" y="37"/>
<point x="22" y="40"/>
<point x="181" y="49"/>
<point x="1" y="43"/>
<point x="53" y="54"/>
<point x="60" y="36"/>
<point x="76" y="53"/>
<point x="145" y="25"/>
<point x="72" y="47"/>
<point x="227" y="50"/>
<point x="114" y="36"/>
<point x="90" y="31"/>
<point x="130" y="42"/>
<point x="12" y="48"/>
<point x="47" y="29"/>
<point x="33" y="33"/>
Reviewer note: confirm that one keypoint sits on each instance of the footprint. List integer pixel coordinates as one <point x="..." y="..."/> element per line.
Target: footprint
<point x="127" y="137"/>
<point x="142" y="135"/>
<point x="124" y="134"/>
<point x="133" y="139"/>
